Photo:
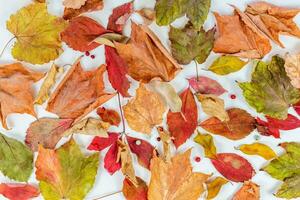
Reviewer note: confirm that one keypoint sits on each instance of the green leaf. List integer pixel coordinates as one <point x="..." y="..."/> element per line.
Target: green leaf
<point x="169" y="10"/>
<point x="226" y="64"/>
<point x="66" y="173"/>
<point x="270" y="90"/>
<point x="287" y="169"/>
<point x="190" y="43"/>
<point x="16" y="159"/>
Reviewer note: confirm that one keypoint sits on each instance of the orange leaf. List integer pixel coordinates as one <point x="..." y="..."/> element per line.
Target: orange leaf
<point x="18" y="191"/>
<point x="249" y="191"/>
<point x="110" y="116"/>
<point x="131" y="192"/>
<point x="89" y="6"/>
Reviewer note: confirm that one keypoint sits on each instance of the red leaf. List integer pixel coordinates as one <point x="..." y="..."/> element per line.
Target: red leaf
<point x="290" y="123"/>
<point x="81" y="32"/>
<point x="117" y="70"/>
<point x="109" y="116"/>
<point x="119" y="17"/>
<point x="100" y="143"/>
<point x="264" y="129"/>
<point x="14" y="191"/>
<point x="142" y="149"/>
<point x="297" y="107"/>
<point x="205" y="85"/>
<point x="182" y="125"/>
<point x="111" y="163"/>
<point x="233" y="167"/>
<point x="131" y="192"/>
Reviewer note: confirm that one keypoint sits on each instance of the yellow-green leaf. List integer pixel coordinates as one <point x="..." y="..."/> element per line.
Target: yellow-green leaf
<point x="258" y="149"/>
<point x="207" y="142"/>
<point x="227" y="64"/>
<point x="37" y="33"/>
<point x="215" y="186"/>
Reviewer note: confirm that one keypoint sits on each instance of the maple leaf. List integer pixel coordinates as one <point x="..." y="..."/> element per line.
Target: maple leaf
<point x="183" y="124"/>
<point x="18" y="191"/>
<point x="270" y="91"/>
<point x="226" y="64"/>
<point x="89" y="6"/>
<point x="75" y="4"/>
<point x="15" y="78"/>
<point x="175" y="180"/>
<point x="240" y="124"/>
<point x="131" y="192"/>
<point x="144" y="111"/>
<point x="119" y="16"/>
<point x="249" y="191"/>
<point x="110" y="116"/>
<point x="196" y="10"/>
<point x="16" y="159"/>
<point x="79" y="93"/>
<point x="292" y="68"/>
<point x="205" y="85"/>
<point x="286" y="169"/>
<point x="189" y="44"/>
<point x="37" y="34"/>
<point x="81" y="33"/>
<point x="146" y="57"/>
<point x="46" y="132"/>
<point x="65" y="173"/>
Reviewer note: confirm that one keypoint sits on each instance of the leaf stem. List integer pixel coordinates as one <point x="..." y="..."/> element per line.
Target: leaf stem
<point x="121" y="112"/>
<point x="197" y="72"/>
<point x="6" y="45"/>
<point x="107" y="195"/>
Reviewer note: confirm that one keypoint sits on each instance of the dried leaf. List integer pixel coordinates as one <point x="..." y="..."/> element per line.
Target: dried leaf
<point x="258" y="149"/>
<point x="131" y="192"/>
<point x="265" y="129"/>
<point x="148" y="15"/>
<point x="175" y="180"/>
<point x="290" y="123"/>
<point x="167" y="141"/>
<point x="240" y="124"/>
<point x="75" y="4"/>
<point x="89" y="6"/>
<point x="270" y="91"/>
<point x="213" y="106"/>
<point x="207" y="142"/>
<point x="297" y="107"/>
<point x="79" y="93"/>
<point x="146" y="57"/>
<point x="16" y="159"/>
<point x="112" y="162"/>
<point x="110" y="116"/>
<point x="215" y="186"/>
<point x="292" y="68"/>
<point x="89" y="126"/>
<point x="46" y="132"/>
<point x="119" y="17"/>
<point x="49" y="81"/>
<point x="13" y="79"/>
<point x="249" y="191"/>
<point x="183" y="124"/>
<point x="205" y="85"/>
<point x="233" y="167"/>
<point x="144" y="111"/>
<point x="18" y="191"/>
<point x="100" y="143"/>
<point x="226" y="64"/>
<point x="37" y="34"/>
<point x="108" y="39"/>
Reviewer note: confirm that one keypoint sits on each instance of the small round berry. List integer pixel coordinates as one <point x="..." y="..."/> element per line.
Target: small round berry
<point x="93" y="56"/>
<point x="158" y="139"/>
<point x="233" y="96"/>
<point x="197" y="159"/>
<point x="87" y="53"/>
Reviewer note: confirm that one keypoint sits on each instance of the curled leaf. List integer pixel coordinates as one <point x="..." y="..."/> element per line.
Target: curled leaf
<point x="258" y="149"/>
<point x="131" y="192"/>
<point x="89" y="6"/>
<point x="207" y="142"/>
<point x="227" y="64"/>
<point x="89" y="126"/>
<point x="215" y="186"/>
<point x="110" y="116"/>
<point x="148" y="15"/>
<point x="167" y="141"/>
<point x="249" y="191"/>
<point x="205" y="85"/>
<point x="119" y="17"/>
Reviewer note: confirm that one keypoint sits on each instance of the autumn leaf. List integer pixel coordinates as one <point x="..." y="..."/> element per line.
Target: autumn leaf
<point x="270" y="91"/>
<point x="18" y="191"/>
<point x="213" y="106"/>
<point x="46" y="132"/>
<point x="16" y="159"/>
<point x="15" y="78"/>
<point x="117" y="71"/>
<point x="146" y="57"/>
<point x="148" y="15"/>
<point x="131" y="192"/>
<point x="240" y="124"/>
<point x="75" y="4"/>
<point x="89" y="6"/>
<point x="207" y="142"/>
<point x="196" y="10"/>
<point x="205" y="85"/>
<point x="258" y="149"/>
<point x="292" y="68"/>
<point x="297" y="108"/>
<point x="49" y="81"/>
<point x="290" y="123"/>
<point x="79" y="93"/>
<point x="233" y="167"/>
<point x="109" y="38"/>
<point x="110" y="116"/>
<point x="144" y="111"/>
<point x="100" y="143"/>
<point x="189" y="44"/>
<point x="226" y="64"/>
<point x="37" y="34"/>
<point x="285" y="168"/>
<point x="167" y="141"/>
<point x="183" y="124"/>
<point x="119" y="17"/>
<point x="81" y="33"/>
<point x="175" y="180"/>
<point x="68" y="174"/>
<point x="264" y="128"/>
<point x="249" y="191"/>
<point x="215" y="186"/>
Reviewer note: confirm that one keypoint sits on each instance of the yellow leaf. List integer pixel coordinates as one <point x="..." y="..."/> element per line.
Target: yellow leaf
<point x="37" y="33"/>
<point x="258" y="149"/>
<point x="215" y="186"/>
<point x="227" y="64"/>
<point x="207" y="142"/>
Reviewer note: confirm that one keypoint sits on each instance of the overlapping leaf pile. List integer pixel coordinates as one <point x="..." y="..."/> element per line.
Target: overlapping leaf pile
<point x="65" y="172"/>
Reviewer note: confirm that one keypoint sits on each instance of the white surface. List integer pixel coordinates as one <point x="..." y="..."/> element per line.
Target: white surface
<point x="106" y="184"/>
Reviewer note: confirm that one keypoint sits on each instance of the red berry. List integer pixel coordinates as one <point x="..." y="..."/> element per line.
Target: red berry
<point x="233" y="96"/>
<point x="197" y="159"/>
<point x="87" y="53"/>
<point x="93" y="56"/>
<point x="158" y="139"/>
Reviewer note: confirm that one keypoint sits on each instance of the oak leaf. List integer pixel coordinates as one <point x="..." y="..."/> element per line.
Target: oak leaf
<point x="18" y="191"/>
<point x="205" y="85"/>
<point x="89" y="6"/>
<point x="249" y="191"/>
<point x="119" y="16"/>
<point x="131" y="192"/>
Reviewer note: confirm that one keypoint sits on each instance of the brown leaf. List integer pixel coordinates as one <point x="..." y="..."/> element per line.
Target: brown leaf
<point x="175" y="180"/>
<point x="146" y="57"/>
<point x="292" y="68"/>
<point x="148" y="15"/>
<point x="239" y="125"/>
<point x="89" y="6"/>
<point x="144" y="111"/>
<point x="249" y="191"/>
<point x="16" y="94"/>
<point x="79" y="93"/>
<point x="89" y="126"/>
<point x="167" y="141"/>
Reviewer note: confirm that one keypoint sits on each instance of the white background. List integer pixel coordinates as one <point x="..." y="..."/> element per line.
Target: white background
<point x="106" y="184"/>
